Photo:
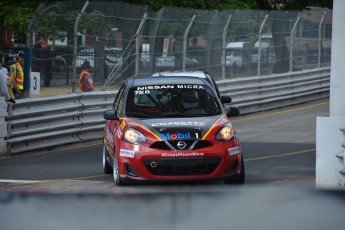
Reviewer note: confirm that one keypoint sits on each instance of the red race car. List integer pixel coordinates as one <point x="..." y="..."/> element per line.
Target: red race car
<point x="170" y="129"/>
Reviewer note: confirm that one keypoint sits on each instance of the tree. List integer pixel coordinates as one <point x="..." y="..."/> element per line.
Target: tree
<point x="200" y="4"/>
<point x="16" y="17"/>
<point x="280" y="22"/>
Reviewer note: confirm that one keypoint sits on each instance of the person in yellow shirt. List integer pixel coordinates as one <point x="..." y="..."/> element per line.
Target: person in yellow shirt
<point x="16" y="78"/>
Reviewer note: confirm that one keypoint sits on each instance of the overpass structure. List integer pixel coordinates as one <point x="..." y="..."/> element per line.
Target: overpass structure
<point x="330" y="135"/>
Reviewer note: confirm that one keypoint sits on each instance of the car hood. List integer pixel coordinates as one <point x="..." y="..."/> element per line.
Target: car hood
<point x="180" y="128"/>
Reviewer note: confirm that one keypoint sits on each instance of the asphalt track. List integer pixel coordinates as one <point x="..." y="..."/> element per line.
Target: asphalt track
<point x="65" y="188"/>
<point x="278" y="147"/>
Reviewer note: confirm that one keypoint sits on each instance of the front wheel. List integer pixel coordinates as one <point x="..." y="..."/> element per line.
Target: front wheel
<point x="116" y="172"/>
<point x="106" y="166"/>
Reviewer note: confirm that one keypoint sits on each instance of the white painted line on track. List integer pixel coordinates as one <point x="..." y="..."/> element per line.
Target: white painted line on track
<point x="18" y="181"/>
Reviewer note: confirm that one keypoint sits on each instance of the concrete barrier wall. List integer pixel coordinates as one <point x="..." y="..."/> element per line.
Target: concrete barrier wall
<point x="330" y="152"/>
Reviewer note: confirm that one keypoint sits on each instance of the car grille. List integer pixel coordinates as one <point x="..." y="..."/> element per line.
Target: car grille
<point x="164" y="146"/>
<point x="182" y="166"/>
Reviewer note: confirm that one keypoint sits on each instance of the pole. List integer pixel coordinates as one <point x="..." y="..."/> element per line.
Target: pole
<point x="259" y="48"/>
<point x="137" y="43"/>
<point x="292" y="42"/>
<point x="225" y="32"/>
<point x="32" y="21"/>
<point x="27" y="70"/>
<point x="320" y="40"/>
<point x="74" y="73"/>
<point x="337" y="83"/>
<point x="185" y="43"/>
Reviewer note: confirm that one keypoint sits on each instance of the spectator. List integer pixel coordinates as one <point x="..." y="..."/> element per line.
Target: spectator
<point x="3" y="84"/>
<point x="37" y="57"/>
<point x="16" y="78"/>
<point x="47" y="65"/>
<point x="85" y="79"/>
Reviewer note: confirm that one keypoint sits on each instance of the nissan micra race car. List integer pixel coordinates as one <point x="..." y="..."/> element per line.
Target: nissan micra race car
<point x="170" y="129"/>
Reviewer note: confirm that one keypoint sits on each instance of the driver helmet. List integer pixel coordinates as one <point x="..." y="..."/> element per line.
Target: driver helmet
<point x="190" y="99"/>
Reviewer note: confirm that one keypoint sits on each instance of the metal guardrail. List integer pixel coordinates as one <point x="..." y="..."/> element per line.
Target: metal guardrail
<point x="259" y="93"/>
<point x="40" y="123"/>
<point x="35" y="124"/>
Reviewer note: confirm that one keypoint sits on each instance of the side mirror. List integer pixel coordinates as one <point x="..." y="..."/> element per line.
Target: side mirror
<point x="225" y="99"/>
<point x="110" y="115"/>
<point x="232" y="111"/>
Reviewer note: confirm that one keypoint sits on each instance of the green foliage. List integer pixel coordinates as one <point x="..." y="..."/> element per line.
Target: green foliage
<point x="243" y="25"/>
<point x="93" y="22"/>
<point x="292" y="4"/>
<point x="201" y="4"/>
<point x="16" y="15"/>
<point x="49" y="23"/>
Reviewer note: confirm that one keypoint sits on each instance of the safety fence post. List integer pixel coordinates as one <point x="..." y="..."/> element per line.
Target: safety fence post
<point x="259" y="48"/>
<point x="138" y="35"/>
<point x="185" y="43"/>
<point x="225" y="32"/>
<point x="292" y="42"/>
<point x="75" y="44"/>
<point x="320" y="40"/>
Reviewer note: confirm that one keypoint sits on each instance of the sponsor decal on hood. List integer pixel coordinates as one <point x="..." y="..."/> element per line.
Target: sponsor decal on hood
<point x="180" y="128"/>
<point x="179" y="124"/>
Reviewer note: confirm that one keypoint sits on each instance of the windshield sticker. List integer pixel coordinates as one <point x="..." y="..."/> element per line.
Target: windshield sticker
<point x="146" y="89"/>
<point x="177" y="123"/>
<point x="127" y="153"/>
<point x="155" y="87"/>
<point x="190" y="87"/>
<point x="172" y="155"/>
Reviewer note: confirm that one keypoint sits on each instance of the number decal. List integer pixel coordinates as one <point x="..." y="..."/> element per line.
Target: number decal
<point x="35" y="83"/>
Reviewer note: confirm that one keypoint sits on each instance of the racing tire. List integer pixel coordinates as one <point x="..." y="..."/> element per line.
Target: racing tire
<point x="116" y="172"/>
<point x="106" y="166"/>
<point x="241" y="178"/>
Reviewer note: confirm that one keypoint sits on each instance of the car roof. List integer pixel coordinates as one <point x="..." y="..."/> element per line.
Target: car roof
<point x="196" y="74"/>
<point x="87" y="49"/>
<point x="156" y="80"/>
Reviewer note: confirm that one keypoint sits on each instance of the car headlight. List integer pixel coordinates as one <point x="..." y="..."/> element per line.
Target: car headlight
<point x="225" y="133"/>
<point x="134" y="136"/>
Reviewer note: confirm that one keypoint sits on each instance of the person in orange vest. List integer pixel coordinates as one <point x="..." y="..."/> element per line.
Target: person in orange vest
<point x="16" y="78"/>
<point x="85" y="79"/>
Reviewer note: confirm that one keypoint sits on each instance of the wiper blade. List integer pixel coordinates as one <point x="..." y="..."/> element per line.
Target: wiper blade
<point x="130" y="114"/>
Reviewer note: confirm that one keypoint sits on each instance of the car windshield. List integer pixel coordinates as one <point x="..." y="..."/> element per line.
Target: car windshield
<point x="109" y="52"/>
<point x="156" y="101"/>
<point x="112" y="53"/>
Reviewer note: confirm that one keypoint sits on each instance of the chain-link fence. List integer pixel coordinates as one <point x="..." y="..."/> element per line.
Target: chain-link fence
<point x="121" y="40"/>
